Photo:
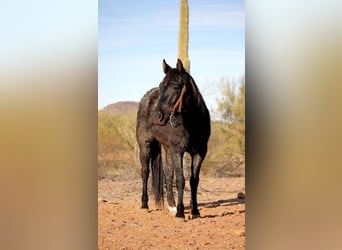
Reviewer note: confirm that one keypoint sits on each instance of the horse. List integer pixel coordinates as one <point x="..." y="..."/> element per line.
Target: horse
<point x="173" y="115"/>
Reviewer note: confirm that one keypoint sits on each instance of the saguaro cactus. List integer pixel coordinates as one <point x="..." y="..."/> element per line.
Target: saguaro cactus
<point x="183" y="38"/>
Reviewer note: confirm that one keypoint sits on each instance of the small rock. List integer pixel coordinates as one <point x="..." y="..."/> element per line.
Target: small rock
<point x="237" y="233"/>
<point x="241" y="196"/>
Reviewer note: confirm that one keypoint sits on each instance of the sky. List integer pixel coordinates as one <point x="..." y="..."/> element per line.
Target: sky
<point x="135" y="36"/>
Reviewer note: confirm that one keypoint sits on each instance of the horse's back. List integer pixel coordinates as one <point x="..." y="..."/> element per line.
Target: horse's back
<point x="145" y="113"/>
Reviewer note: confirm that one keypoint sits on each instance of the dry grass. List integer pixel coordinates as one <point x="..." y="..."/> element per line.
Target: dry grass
<point x="118" y="151"/>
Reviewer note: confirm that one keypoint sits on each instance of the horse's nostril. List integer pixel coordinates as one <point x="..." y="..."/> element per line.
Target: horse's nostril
<point x="160" y="116"/>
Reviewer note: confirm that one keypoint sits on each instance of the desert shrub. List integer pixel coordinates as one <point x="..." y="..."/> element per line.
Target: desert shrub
<point x="117" y="147"/>
<point x="118" y="151"/>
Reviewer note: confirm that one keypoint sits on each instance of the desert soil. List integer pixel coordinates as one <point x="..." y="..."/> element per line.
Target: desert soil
<point x="123" y="225"/>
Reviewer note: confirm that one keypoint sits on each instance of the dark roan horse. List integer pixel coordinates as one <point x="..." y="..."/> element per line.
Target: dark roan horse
<point x="175" y="116"/>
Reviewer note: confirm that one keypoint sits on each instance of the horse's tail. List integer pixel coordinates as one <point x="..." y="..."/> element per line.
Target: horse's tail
<point x="157" y="175"/>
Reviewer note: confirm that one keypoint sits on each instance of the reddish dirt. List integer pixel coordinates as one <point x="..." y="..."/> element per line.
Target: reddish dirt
<point x="123" y="225"/>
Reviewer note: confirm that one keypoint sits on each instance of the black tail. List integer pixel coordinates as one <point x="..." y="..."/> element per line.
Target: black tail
<point x="157" y="175"/>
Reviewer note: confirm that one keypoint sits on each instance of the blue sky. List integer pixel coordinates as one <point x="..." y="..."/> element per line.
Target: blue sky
<point x="135" y="36"/>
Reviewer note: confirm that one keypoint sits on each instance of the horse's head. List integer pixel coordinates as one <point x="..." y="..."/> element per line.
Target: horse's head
<point x="173" y="89"/>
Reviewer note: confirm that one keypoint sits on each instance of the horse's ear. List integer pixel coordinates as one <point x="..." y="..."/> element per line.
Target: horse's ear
<point x="166" y="67"/>
<point x="180" y="67"/>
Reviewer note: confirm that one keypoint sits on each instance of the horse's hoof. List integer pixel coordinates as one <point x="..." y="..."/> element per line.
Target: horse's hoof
<point x="195" y="213"/>
<point x="180" y="215"/>
<point x="159" y="205"/>
<point x="144" y="206"/>
<point x="194" y="216"/>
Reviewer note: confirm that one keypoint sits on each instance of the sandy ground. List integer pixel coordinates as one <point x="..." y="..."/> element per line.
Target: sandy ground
<point x="123" y="225"/>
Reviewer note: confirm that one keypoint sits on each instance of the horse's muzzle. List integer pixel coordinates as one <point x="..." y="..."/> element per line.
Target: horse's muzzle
<point x="160" y="116"/>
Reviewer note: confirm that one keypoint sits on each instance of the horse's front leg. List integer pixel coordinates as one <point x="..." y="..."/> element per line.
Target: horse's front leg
<point x="177" y="160"/>
<point x="169" y="173"/>
<point x="196" y="163"/>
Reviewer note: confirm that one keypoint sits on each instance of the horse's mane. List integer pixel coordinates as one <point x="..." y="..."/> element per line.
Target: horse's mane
<point x="196" y="94"/>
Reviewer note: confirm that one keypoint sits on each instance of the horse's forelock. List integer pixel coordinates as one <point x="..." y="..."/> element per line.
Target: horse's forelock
<point x="169" y="75"/>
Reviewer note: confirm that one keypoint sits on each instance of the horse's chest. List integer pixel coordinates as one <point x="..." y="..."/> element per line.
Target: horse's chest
<point x="172" y="136"/>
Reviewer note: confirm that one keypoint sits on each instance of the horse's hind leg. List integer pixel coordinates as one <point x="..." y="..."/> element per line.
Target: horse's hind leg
<point x="145" y="170"/>
<point x="157" y="174"/>
<point x="196" y="163"/>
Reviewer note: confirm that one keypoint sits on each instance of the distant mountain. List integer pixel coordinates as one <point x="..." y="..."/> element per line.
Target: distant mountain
<point x="120" y="108"/>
